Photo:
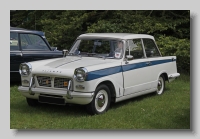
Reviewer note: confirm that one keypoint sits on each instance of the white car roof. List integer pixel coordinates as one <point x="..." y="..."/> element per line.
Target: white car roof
<point x="115" y="35"/>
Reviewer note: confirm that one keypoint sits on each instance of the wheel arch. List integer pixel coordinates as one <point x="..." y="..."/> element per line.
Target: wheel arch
<point x="165" y="76"/>
<point x="111" y="87"/>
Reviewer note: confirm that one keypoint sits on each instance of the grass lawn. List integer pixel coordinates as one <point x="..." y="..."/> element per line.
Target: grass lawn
<point x="168" y="111"/>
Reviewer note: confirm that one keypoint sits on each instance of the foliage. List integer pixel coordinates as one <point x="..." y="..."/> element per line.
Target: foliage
<point x="170" y="28"/>
<point x="178" y="47"/>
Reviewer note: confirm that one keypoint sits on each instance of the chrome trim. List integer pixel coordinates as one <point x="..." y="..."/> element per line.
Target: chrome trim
<point x="69" y="96"/>
<point x="30" y="86"/>
<point x="175" y="75"/>
<point x="83" y="95"/>
<point x="29" y="68"/>
<point x="101" y="100"/>
<point x="84" y="78"/>
<point x="58" y="92"/>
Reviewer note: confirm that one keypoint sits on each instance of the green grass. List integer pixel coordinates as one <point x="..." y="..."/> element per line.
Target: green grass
<point x="168" y="111"/>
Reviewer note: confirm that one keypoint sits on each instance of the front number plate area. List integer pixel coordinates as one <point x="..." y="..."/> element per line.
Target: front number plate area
<point x="51" y="100"/>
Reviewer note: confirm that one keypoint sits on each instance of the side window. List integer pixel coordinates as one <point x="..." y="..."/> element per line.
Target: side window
<point x="14" y="45"/>
<point x="33" y="42"/>
<point x="150" y="48"/>
<point x="134" y="49"/>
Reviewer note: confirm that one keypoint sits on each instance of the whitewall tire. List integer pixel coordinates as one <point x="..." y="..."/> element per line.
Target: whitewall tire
<point x="101" y="100"/>
<point x="161" y="85"/>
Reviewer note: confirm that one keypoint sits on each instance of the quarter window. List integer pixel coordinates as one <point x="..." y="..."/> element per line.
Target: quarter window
<point x="134" y="48"/>
<point x="150" y="48"/>
<point x="14" y="45"/>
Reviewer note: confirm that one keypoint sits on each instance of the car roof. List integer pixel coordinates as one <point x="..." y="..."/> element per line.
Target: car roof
<point x="114" y="36"/>
<point x="23" y="30"/>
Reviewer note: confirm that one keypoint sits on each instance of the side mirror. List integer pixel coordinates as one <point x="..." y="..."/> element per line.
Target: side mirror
<point x="64" y="52"/>
<point x="129" y="57"/>
<point x="54" y="48"/>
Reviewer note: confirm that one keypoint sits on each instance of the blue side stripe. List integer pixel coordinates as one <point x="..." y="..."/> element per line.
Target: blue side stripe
<point x="113" y="70"/>
<point x="133" y="66"/>
<point x="161" y="61"/>
<point x="103" y="72"/>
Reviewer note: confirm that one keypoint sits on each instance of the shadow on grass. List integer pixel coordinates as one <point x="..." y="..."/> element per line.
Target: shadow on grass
<point x="125" y="102"/>
<point x="69" y="109"/>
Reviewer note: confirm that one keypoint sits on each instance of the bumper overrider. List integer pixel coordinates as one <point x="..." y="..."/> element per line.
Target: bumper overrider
<point x="56" y="96"/>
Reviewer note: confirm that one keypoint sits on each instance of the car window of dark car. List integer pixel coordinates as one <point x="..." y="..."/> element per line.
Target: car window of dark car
<point x="14" y="45"/>
<point x="32" y="42"/>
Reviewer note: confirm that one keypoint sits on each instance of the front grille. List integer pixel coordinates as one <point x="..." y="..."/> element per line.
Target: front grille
<point x="44" y="81"/>
<point x="61" y="82"/>
<point x="58" y="82"/>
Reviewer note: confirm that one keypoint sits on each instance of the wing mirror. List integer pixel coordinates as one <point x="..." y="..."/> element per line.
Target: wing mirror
<point x="129" y="57"/>
<point x="54" y="48"/>
<point x="64" y="52"/>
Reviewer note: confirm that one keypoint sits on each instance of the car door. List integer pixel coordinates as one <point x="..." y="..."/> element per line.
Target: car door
<point x="16" y="56"/>
<point x="154" y="59"/>
<point x="34" y="48"/>
<point x="136" y="69"/>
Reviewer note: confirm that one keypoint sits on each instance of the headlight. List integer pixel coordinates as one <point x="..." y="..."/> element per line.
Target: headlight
<point x="25" y="69"/>
<point x="80" y="74"/>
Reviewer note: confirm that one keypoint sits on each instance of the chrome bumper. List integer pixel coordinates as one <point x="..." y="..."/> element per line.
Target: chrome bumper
<point x="69" y="96"/>
<point x="173" y="76"/>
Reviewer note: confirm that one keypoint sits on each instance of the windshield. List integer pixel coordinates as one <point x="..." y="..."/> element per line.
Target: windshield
<point x="98" y="48"/>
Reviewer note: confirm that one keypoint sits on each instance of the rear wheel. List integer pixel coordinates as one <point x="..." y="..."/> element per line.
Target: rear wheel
<point x="101" y="100"/>
<point x="32" y="102"/>
<point x="161" y="85"/>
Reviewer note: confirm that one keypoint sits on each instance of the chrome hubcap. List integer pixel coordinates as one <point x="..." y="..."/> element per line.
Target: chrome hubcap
<point x="101" y="100"/>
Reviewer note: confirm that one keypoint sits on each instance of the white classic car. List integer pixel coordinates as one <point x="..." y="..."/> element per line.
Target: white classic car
<point x="100" y="68"/>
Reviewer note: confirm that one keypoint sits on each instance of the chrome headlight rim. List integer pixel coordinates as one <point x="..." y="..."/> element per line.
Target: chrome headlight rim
<point x="25" y="69"/>
<point x="80" y="74"/>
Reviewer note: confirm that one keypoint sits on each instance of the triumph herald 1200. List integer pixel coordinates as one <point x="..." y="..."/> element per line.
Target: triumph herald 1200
<point x="99" y="69"/>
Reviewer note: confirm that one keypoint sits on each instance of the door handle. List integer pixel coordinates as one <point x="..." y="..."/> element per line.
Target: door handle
<point x="148" y="63"/>
<point x="19" y="54"/>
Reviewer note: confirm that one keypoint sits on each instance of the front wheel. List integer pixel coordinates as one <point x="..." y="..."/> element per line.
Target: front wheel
<point x="161" y="85"/>
<point x="101" y="100"/>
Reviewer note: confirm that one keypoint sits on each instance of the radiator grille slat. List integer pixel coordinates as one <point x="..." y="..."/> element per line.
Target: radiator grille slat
<point x="61" y="82"/>
<point x="45" y="81"/>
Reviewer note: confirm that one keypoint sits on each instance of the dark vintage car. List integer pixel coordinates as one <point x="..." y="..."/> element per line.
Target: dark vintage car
<point x="28" y="45"/>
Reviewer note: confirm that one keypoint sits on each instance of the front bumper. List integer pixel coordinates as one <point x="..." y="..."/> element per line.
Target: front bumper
<point x="75" y="97"/>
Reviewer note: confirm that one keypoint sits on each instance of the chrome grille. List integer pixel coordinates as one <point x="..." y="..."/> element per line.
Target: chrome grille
<point x="61" y="82"/>
<point x="44" y="81"/>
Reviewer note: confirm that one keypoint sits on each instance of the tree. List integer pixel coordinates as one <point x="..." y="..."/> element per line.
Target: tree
<point x="171" y="29"/>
